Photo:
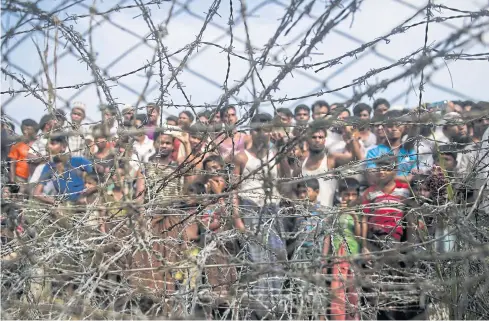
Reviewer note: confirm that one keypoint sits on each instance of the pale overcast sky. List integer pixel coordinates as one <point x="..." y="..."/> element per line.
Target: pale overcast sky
<point x="205" y="72"/>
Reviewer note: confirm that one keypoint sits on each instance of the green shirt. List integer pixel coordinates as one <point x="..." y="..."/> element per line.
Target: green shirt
<point x="345" y="231"/>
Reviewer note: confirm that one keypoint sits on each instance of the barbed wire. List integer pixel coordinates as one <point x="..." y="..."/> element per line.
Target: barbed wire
<point x="145" y="263"/>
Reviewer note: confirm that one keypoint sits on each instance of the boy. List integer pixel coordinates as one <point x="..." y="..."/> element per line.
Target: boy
<point x="19" y="168"/>
<point x="384" y="207"/>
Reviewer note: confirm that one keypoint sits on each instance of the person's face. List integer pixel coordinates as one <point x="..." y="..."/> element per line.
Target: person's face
<point x="28" y="131"/>
<point x="212" y="166"/>
<point x="77" y="116"/>
<point x="344" y="115"/>
<point x="395" y="131"/>
<point x="379" y="131"/>
<point x="203" y="120"/>
<point x="480" y="127"/>
<point x="316" y="141"/>
<point x="423" y="191"/>
<point x="284" y="119"/>
<point x="230" y="117"/>
<point x="364" y="115"/>
<point x="302" y="193"/>
<point x="171" y="123"/>
<point x="312" y="194"/>
<point x="320" y="112"/>
<point x="50" y="125"/>
<point x="55" y="147"/>
<point x="153" y="114"/>
<point x="128" y="115"/>
<point x="386" y="173"/>
<point x="216" y="119"/>
<point x="164" y="145"/>
<point x="302" y="115"/>
<point x="381" y="109"/>
<point x="90" y="186"/>
<point x="195" y="141"/>
<point x="446" y="161"/>
<point x="108" y="116"/>
<point x="101" y="143"/>
<point x="453" y="131"/>
<point x="183" y="120"/>
<point x="261" y="136"/>
<point x="300" y="151"/>
<point x="349" y="196"/>
<point x="332" y="107"/>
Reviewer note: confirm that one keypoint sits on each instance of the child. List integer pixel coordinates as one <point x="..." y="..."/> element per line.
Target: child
<point x="384" y="207"/>
<point x="345" y="242"/>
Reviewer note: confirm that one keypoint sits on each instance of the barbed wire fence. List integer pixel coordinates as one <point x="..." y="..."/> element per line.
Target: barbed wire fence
<point x="65" y="268"/>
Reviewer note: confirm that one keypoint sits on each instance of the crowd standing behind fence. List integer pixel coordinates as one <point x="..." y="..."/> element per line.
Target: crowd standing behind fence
<point x="310" y="212"/>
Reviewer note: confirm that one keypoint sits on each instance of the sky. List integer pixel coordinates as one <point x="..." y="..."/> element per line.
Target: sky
<point x="204" y="73"/>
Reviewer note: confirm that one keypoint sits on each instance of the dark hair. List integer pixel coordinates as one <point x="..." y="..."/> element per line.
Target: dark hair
<point x="159" y="133"/>
<point x="448" y="149"/>
<point x="153" y="106"/>
<point x="338" y="105"/>
<point x="196" y="188"/>
<point x="142" y="118"/>
<point x="198" y="130"/>
<point x="225" y="109"/>
<point x="381" y="101"/>
<point x="172" y="118"/>
<point x="189" y="115"/>
<point x="30" y="123"/>
<point x="311" y="182"/>
<point x="59" y="137"/>
<point x="205" y="113"/>
<point x="318" y="125"/>
<point x="262" y="118"/>
<point x="357" y="110"/>
<point x="319" y="103"/>
<point x="394" y="115"/>
<point x="348" y="183"/>
<point x="284" y="111"/>
<point x="302" y="107"/>
<point x="213" y="158"/>
<point x="338" y="110"/>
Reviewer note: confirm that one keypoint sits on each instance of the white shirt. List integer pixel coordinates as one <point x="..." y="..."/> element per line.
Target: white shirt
<point x="144" y="150"/>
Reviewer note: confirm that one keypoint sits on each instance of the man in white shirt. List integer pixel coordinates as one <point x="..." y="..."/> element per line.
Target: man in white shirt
<point x="143" y="146"/>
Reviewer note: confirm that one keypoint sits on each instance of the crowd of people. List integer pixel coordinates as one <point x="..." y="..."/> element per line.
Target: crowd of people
<point x="316" y="190"/>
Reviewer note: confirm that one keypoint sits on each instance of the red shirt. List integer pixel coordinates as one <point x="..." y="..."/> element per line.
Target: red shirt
<point x="386" y="209"/>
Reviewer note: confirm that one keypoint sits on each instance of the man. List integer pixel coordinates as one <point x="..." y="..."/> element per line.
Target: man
<point x="128" y="114"/>
<point x="64" y="171"/>
<point x="78" y="143"/>
<point x="302" y="114"/>
<point x="19" y="168"/>
<point x="231" y="142"/>
<point x="109" y="119"/>
<point x="185" y="119"/>
<point x="38" y="153"/>
<point x="172" y="121"/>
<point x="203" y="117"/>
<point x="164" y="183"/>
<point x="256" y="171"/>
<point x="405" y="153"/>
<point x="256" y="166"/>
<point x="334" y="134"/>
<point x="153" y="113"/>
<point x="381" y="106"/>
<point x="320" y="109"/>
<point x="143" y="146"/>
<point x="319" y="162"/>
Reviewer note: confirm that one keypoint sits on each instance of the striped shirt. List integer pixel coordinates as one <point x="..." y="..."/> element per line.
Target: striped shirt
<point x="386" y="210"/>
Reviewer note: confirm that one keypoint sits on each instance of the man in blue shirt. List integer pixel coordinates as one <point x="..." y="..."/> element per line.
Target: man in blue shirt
<point x="65" y="173"/>
<point x="406" y="155"/>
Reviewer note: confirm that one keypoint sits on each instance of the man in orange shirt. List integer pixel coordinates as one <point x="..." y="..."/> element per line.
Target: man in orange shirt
<point x="19" y="168"/>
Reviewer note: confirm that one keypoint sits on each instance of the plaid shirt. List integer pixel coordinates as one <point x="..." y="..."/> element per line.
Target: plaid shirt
<point x="76" y="143"/>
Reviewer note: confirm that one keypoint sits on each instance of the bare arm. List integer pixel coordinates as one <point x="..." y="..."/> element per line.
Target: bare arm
<point x="40" y="196"/>
<point x="238" y="162"/>
<point x="140" y="187"/>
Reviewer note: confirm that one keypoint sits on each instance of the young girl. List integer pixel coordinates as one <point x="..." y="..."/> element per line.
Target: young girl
<point x="344" y="242"/>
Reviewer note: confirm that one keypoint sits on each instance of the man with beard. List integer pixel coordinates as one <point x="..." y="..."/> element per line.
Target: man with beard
<point x="257" y="166"/>
<point x="319" y="162"/>
<point x="162" y="180"/>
